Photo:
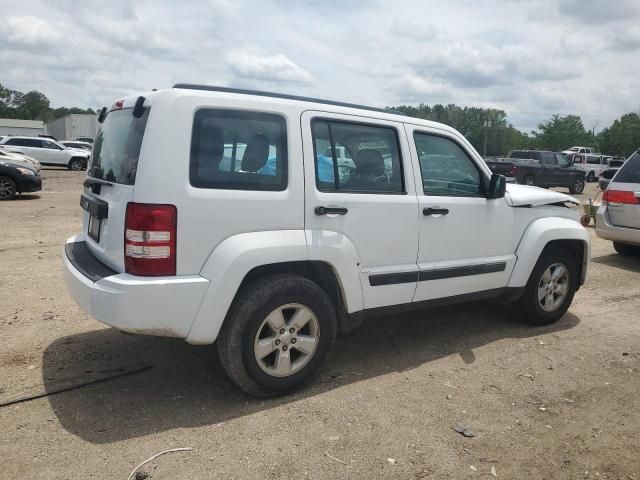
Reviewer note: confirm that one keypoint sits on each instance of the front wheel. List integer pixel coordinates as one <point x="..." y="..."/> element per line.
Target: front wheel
<point x="551" y="286"/>
<point x="277" y="334"/>
<point x="577" y="186"/>
<point x="8" y="188"/>
<point x="76" y="164"/>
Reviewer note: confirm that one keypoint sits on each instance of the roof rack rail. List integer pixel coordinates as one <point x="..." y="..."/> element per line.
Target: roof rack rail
<point x="189" y="86"/>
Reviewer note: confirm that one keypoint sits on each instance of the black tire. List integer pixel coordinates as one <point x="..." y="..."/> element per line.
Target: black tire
<point x="8" y="188"/>
<point x="76" y="164"/>
<point x="529" y="180"/>
<point x="591" y="177"/>
<point x="577" y="186"/>
<point x="250" y="308"/>
<point x="626" y="249"/>
<point x="529" y="303"/>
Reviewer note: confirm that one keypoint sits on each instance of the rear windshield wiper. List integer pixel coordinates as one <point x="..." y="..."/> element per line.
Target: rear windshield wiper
<point x="89" y="181"/>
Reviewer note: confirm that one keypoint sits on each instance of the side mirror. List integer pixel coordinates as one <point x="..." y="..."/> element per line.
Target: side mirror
<point x="497" y="186"/>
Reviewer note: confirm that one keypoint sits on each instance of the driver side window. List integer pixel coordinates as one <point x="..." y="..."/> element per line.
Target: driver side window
<point x="446" y="169"/>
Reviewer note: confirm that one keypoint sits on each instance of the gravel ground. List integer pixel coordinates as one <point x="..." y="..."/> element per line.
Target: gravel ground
<point x="553" y="402"/>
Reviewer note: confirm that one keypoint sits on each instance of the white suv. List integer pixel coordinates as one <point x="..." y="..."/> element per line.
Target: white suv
<point x="213" y="213"/>
<point x="47" y="152"/>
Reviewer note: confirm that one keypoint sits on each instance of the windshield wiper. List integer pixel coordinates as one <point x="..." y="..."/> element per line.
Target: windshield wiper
<point x="89" y="181"/>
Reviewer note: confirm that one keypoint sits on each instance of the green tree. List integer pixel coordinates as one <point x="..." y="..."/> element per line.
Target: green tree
<point x="622" y="137"/>
<point x="34" y="105"/>
<point x="559" y="133"/>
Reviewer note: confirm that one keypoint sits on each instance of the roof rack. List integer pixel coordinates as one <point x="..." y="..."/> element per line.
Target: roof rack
<point x="189" y="86"/>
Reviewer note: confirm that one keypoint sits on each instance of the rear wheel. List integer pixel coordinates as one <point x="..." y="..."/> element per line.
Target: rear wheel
<point x="577" y="186"/>
<point x="8" y="188"/>
<point x="529" y="180"/>
<point x="277" y="334"/>
<point x="76" y="164"/>
<point x="551" y="286"/>
<point x="626" y="249"/>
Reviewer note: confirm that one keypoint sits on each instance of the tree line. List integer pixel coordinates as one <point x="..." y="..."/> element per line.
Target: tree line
<point x="491" y="134"/>
<point x="487" y="129"/>
<point x="32" y="105"/>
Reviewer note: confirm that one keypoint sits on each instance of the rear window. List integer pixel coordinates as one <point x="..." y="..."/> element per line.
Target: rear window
<point x="630" y="171"/>
<point x="117" y="147"/>
<point x="520" y="154"/>
<point x="238" y="150"/>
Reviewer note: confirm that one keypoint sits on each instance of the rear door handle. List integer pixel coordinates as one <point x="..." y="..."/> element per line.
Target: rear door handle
<point x="320" y="210"/>
<point x="434" y="211"/>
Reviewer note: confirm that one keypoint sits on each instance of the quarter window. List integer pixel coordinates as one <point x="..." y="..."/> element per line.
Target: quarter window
<point x="356" y="158"/>
<point x="238" y="150"/>
<point x="446" y="169"/>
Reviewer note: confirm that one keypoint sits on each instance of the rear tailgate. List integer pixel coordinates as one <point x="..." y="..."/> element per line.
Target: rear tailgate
<point x="625" y="212"/>
<point x="110" y="184"/>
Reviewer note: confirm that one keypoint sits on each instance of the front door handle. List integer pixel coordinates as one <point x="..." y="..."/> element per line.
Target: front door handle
<point x="434" y="211"/>
<point x="320" y="210"/>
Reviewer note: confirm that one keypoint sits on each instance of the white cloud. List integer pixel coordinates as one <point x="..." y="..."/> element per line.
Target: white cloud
<point x="271" y="68"/>
<point x="532" y="58"/>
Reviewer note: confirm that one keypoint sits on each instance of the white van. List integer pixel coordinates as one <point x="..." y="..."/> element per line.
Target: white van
<point x="220" y="214"/>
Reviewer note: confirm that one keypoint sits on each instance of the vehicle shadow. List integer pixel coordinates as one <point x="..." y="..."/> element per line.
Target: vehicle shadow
<point x="630" y="263"/>
<point x="187" y="387"/>
<point x="26" y="196"/>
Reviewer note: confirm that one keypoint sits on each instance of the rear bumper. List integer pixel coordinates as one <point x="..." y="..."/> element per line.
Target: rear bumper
<point x="29" y="183"/>
<point x="162" y="306"/>
<point x="605" y="230"/>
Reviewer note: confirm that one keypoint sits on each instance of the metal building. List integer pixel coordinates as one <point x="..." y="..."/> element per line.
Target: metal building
<point x="74" y="125"/>
<point x="11" y="126"/>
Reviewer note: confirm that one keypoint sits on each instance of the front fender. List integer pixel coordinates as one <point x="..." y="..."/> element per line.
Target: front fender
<point x="537" y="235"/>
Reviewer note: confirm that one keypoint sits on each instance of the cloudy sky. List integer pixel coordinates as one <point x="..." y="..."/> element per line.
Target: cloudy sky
<point x="531" y="58"/>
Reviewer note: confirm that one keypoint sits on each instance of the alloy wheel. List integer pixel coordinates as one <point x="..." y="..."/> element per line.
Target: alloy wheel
<point x="553" y="287"/>
<point x="286" y="340"/>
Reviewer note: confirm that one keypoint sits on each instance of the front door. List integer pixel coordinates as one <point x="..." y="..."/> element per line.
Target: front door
<point x="53" y="153"/>
<point x="366" y="206"/>
<point x="467" y="241"/>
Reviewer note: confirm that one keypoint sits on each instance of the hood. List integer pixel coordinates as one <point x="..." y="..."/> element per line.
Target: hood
<point x="525" y="196"/>
<point x="17" y="164"/>
<point x="78" y="151"/>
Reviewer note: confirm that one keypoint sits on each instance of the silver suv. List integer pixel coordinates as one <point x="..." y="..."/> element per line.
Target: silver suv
<point x="618" y="218"/>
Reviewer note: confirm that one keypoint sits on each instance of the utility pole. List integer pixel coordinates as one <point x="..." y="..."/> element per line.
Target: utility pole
<point x="487" y="126"/>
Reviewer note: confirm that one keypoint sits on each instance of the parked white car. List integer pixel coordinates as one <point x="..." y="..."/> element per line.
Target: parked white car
<point x="12" y="156"/>
<point x="47" y="152"/>
<point x="77" y="145"/>
<point x="272" y="252"/>
<point x="618" y="217"/>
<point x="578" y="150"/>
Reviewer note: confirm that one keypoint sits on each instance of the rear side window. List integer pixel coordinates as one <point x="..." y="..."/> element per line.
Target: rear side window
<point x="593" y="160"/>
<point x="356" y="158"/>
<point x="630" y="171"/>
<point x="238" y="150"/>
<point x="117" y="147"/>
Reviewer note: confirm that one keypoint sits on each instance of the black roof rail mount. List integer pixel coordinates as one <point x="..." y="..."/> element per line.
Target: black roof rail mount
<point x="190" y="86"/>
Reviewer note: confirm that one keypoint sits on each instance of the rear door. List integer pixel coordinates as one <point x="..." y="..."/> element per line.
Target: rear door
<point x="372" y="206"/>
<point x="626" y="212"/>
<point x="113" y="172"/>
<point x="54" y="153"/>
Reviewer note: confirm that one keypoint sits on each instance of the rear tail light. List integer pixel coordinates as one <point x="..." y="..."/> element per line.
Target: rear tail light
<point x="150" y="239"/>
<point x="620" y="196"/>
<point x="513" y="171"/>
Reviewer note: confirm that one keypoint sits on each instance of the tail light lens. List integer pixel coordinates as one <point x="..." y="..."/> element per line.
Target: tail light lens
<point x="620" y="196"/>
<point x="150" y="239"/>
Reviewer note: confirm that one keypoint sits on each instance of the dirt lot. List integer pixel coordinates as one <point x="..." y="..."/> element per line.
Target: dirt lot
<point x="553" y="402"/>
